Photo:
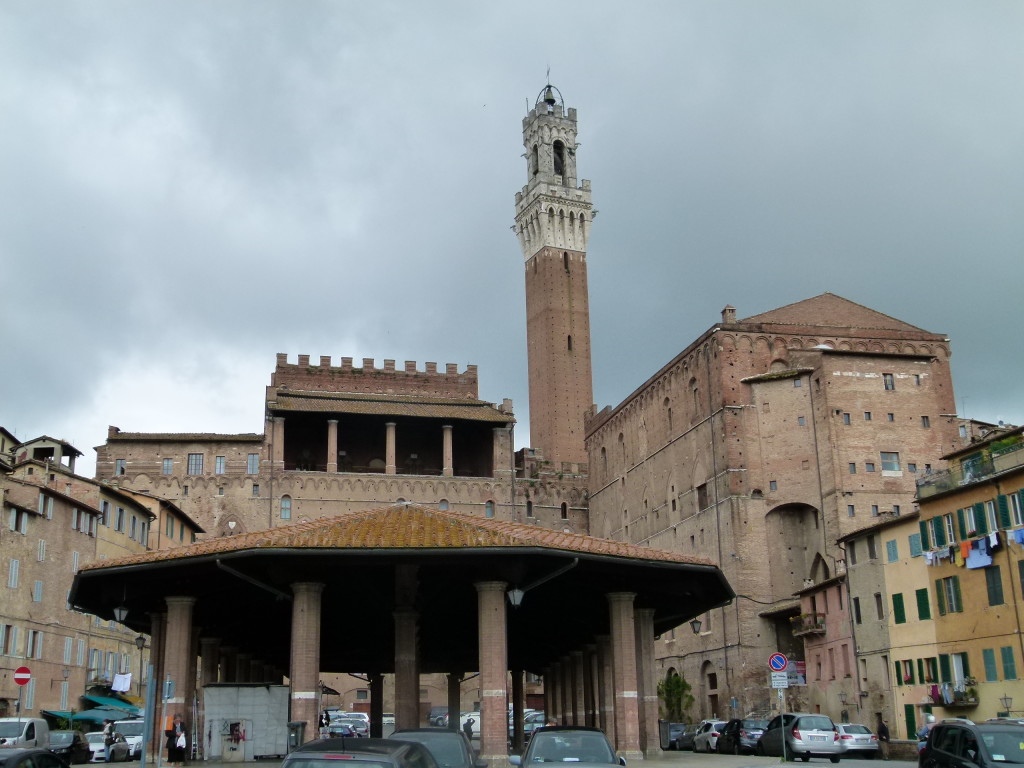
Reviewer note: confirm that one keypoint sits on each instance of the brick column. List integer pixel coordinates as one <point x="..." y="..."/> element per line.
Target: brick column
<point x="178" y="646"/>
<point x="157" y="644"/>
<point x="332" y="445"/>
<point x="501" y="458"/>
<point x="228" y="662"/>
<point x="391" y="467"/>
<point x="407" y="669"/>
<point x="454" y="698"/>
<point x="209" y="651"/>
<point x="277" y="446"/>
<point x="552" y="696"/>
<point x="606" y="686"/>
<point x="446" y="451"/>
<point x="579" y="706"/>
<point x="304" y="667"/>
<point x="590" y="685"/>
<point x="627" y="715"/>
<point x="650" y="738"/>
<point x="493" y="669"/>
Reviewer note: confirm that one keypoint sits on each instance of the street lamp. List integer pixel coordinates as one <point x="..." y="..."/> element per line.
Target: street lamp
<point x="1007" y="702"/>
<point x="120" y="613"/>
<point x="842" y="698"/>
<point x="140" y="643"/>
<point x="695" y="626"/>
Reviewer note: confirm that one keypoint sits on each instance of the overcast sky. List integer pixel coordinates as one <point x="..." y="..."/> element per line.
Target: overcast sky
<point x="189" y="188"/>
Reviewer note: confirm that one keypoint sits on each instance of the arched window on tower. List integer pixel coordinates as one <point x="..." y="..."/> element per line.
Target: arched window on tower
<point x="565" y="261"/>
<point x="489" y="509"/>
<point x="565" y="511"/>
<point x="286" y="507"/>
<point x="534" y="161"/>
<point x="558" y="150"/>
<point x="529" y="509"/>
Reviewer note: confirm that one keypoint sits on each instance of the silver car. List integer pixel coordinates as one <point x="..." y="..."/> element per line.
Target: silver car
<point x="806" y="735"/>
<point x="856" y="740"/>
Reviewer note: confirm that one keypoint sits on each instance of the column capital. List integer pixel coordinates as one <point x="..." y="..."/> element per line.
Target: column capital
<point x="621" y="597"/>
<point x="490" y="586"/>
<point x="307" y="587"/>
<point x="332" y="421"/>
<point x="180" y="600"/>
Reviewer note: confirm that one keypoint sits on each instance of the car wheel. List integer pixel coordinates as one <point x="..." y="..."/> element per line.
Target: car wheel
<point x="760" y="749"/>
<point x="806" y="758"/>
<point x="834" y="758"/>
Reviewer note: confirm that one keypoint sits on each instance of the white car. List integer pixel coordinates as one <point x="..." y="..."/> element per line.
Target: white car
<point x="706" y="739"/>
<point x="465" y="717"/>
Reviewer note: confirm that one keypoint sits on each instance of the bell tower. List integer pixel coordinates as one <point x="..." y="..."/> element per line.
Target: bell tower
<point x="553" y="217"/>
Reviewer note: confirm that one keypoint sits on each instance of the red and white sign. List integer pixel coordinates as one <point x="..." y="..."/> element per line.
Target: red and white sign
<point x="22" y="675"/>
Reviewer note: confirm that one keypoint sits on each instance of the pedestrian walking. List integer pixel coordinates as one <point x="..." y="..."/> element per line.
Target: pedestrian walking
<point x="467" y="728"/>
<point x="108" y="738"/>
<point x="883" y="737"/>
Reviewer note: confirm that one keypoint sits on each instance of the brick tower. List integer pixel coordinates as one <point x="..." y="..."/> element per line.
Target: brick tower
<point x="553" y="217"/>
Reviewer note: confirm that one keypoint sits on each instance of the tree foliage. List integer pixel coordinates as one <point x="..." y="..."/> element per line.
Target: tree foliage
<point x="674" y="698"/>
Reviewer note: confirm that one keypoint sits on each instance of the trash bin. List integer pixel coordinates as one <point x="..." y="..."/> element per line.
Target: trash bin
<point x="664" y="733"/>
<point x="296" y="734"/>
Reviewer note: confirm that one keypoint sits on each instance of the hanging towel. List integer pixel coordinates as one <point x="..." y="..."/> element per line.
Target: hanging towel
<point x="993" y="539"/>
<point x="965" y="549"/>
<point x="979" y="558"/>
<point x="929" y="558"/>
<point x="122" y="682"/>
<point x="1018" y="535"/>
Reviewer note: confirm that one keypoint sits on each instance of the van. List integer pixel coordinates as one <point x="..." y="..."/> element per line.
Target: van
<point x="24" y="732"/>
<point x="132" y="730"/>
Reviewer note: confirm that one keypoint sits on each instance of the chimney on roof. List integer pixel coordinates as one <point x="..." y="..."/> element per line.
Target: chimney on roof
<point x="729" y="314"/>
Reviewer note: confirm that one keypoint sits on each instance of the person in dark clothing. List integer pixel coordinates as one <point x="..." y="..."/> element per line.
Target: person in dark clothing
<point x="177" y="742"/>
<point x="467" y="728"/>
<point x="883" y="738"/>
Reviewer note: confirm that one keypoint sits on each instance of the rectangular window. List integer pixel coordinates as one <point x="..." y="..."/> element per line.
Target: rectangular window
<point x="801" y="421"/>
<point x="133" y="527"/>
<point x="252" y="465"/>
<point x="846" y="419"/>
<point x="42" y="503"/>
<point x="899" y="615"/>
<point x="891" y="551"/>
<point x="896" y="510"/>
<point x="872" y="554"/>
<point x="219" y="464"/>
<point x="184" y="490"/>
<point x="869" y="466"/>
<point x="1009" y="664"/>
<point x="255" y="489"/>
<point x="988" y="655"/>
<point x="1016" y="509"/>
<point x="867" y="415"/>
<point x="702" y="494"/>
<point x="798" y="382"/>
<point x="119" y="466"/>
<point x="853" y="467"/>
<point x="850" y="510"/>
<point x="169" y="527"/>
<point x="879" y="606"/>
<point x="119" y="520"/>
<point x="994" y="583"/>
<point x="889" y="381"/>
<point x="874" y="510"/>
<point x="915" y="544"/>
<point x="68" y="647"/>
<point x="168" y="466"/>
<point x="948" y="522"/>
<point x="890" y="461"/>
<point x="926" y="422"/>
<point x="911" y="466"/>
<point x="74" y="562"/>
<point x="49" y="508"/>
<point x="195" y="463"/>
<point x="37" y="592"/>
<point x="12" y="574"/>
<point x="856" y="610"/>
<point x="34" y="645"/>
<point x="41" y="551"/>
<point x="924" y="608"/>
<point x="991" y="516"/>
<point x="851" y="552"/>
<point x="917" y="379"/>
<point x="947" y="595"/>
<point x="105" y="509"/>
<point x="890" y="417"/>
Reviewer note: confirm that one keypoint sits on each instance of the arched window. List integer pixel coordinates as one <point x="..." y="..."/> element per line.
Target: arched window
<point x="565" y="511"/>
<point x="534" y="162"/>
<point x="443" y="505"/>
<point x="529" y="509"/>
<point x="489" y="509"/>
<point x="570" y="342"/>
<point x="286" y="507"/>
<point x="558" y="150"/>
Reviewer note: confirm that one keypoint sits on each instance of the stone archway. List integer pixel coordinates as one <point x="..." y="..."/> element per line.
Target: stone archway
<point x="794" y="528"/>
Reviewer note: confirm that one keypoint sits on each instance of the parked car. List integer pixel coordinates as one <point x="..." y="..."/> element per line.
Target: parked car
<point x="438" y="716"/>
<point x="532" y="720"/>
<point x="132" y="730"/>
<point x="856" y="740"/>
<point x="740" y="735"/>
<point x="120" y="750"/>
<point x="70" y="746"/>
<point x="568" y="744"/>
<point x="706" y="739"/>
<point x="955" y="744"/>
<point x="360" y="753"/>
<point x="674" y="732"/>
<point x="685" y="739"/>
<point x="338" y="730"/>
<point x="360" y="727"/>
<point x="29" y="757"/>
<point x="451" y="749"/>
<point x="24" y="732"/>
<point x="806" y="735"/>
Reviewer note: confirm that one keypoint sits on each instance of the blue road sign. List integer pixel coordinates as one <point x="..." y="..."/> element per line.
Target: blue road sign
<point x="778" y="661"/>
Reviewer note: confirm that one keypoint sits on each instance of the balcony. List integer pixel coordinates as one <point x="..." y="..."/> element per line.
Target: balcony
<point x="807" y="624"/>
<point x="1000" y="459"/>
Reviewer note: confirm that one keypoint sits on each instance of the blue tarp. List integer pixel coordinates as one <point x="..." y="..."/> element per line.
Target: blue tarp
<point x="110" y="703"/>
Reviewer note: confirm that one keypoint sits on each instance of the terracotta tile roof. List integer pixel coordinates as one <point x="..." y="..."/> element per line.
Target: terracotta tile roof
<point x="831" y="311"/>
<point x="408" y="526"/>
<point x="387" y="405"/>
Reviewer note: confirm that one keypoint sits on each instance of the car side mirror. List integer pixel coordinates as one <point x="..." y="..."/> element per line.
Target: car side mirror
<point x="515" y="760"/>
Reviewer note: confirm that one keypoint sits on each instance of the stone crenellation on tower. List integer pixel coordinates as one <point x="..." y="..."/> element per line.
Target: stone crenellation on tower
<point x="326" y="377"/>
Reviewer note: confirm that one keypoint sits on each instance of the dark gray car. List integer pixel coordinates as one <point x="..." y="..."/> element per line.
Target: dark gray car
<point x="451" y="749"/>
<point x="360" y="753"/>
<point x="568" y="744"/>
<point x="956" y="744"/>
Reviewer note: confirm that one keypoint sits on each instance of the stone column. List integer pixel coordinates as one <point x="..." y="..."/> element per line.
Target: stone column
<point x="446" y="451"/>
<point x="332" y="445"/>
<point x="493" y="669"/>
<point x="157" y="644"/>
<point x="376" y="681"/>
<point x="590" y="685"/>
<point x="177" y="649"/>
<point x="650" y="738"/>
<point x="606" y="687"/>
<point x="579" y="706"/>
<point x="209" y="650"/>
<point x="304" y="666"/>
<point x="627" y="714"/>
<point x="454" y="699"/>
<point x="501" y="452"/>
<point x="228" y="663"/>
<point x="390" y="467"/>
<point x="407" y="672"/>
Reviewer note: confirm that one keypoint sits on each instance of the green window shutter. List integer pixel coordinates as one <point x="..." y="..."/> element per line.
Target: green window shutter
<point x="945" y="676"/>
<point x="994" y="583"/>
<point x="1003" y="511"/>
<point x="959" y="607"/>
<point x="925" y="539"/>
<point x="924" y="608"/>
<point x="920" y="670"/>
<point x="1020" y="572"/>
<point x="899" y="672"/>
<point x="940" y="598"/>
<point x="898" y="614"/>
<point x="988" y="655"/>
<point x="1009" y="664"/>
<point x="939" y="530"/>
<point x="966" y="660"/>
<point x="961" y="524"/>
<point x="979" y="518"/>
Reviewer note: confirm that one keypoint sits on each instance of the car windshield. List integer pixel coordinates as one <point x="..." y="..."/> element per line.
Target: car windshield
<point x="96" y="737"/>
<point x="856" y="729"/>
<point x="448" y="748"/>
<point x="11" y="729"/>
<point x="1005" y="746"/>
<point x="570" y="747"/>
<point x="129" y="727"/>
<point x="755" y="725"/>
<point x="814" y="723"/>
<point x="61" y="738"/>
<point x="331" y="760"/>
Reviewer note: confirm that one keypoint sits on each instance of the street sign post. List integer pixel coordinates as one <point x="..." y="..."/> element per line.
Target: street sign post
<point x="22" y="675"/>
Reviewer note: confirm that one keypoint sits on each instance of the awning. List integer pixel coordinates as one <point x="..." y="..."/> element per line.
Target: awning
<point x="99" y="714"/>
<point x="106" y="701"/>
<point x="57" y="713"/>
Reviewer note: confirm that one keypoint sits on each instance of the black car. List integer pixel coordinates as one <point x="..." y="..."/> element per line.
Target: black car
<point x="29" y="757"/>
<point x="675" y="730"/>
<point x="360" y="753"/>
<point x="70" y="746"/>
<point x="451" y="749"/>
<point x="955" y="744"/>
<point x="685" y="739"/>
